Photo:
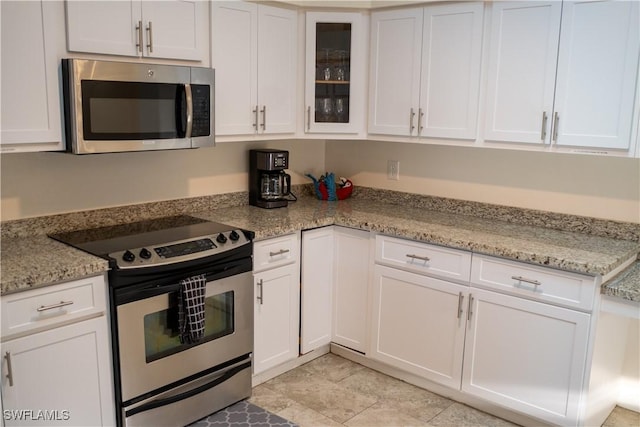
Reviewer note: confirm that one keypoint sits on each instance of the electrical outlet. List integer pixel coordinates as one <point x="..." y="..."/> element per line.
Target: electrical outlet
<point x="393" y="170"/>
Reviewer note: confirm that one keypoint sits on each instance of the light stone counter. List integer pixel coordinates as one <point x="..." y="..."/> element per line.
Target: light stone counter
<point x="35" y="261"/>
<point x="564" y="250"/>
<point x="591" y="247"/>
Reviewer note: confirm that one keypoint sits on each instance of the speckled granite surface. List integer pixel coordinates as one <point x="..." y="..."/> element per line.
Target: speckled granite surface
<point x="625" y="285"/>
<point x="31" y="262"/>
<point x="576" y="244"/>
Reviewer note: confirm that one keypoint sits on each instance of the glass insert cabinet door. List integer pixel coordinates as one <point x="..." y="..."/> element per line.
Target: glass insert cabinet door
<point x="334" y="72"/>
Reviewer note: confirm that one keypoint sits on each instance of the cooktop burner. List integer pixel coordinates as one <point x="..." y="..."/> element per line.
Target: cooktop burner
<point x="157" y="241"/>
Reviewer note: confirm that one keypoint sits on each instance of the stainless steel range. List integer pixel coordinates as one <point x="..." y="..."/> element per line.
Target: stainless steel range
<point x="163" y="375"/>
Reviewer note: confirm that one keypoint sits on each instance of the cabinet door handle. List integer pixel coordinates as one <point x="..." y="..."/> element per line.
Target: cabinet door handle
<point x="309" y="118"/>
<point x="260" y="295"/>
<point x="421" y="258"/>
<point x="543" y="132"/>
<point x="556" y="120"/>
<point x="264" y="118"/>
<point x="255" y="118"/>
<point x="52" y="306"/>
<point x="150" y="32"/>
<point x="524" y="279"/>
<point x="412" y="115"/>
<point x="140" y="42"/>
<point x="469" y="308"/>
<point x="7" y="357"/>
<point x="420" y="116"/>
<point x="460" y="301"/>
<point x="280" y="252"/>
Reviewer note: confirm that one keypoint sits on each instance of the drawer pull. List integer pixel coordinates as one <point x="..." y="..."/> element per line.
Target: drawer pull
<point x="7" y="356"/>
<point x="260" y="295"/>
<point x="280" y="252"/>
<point x="51" y="307"/>
<point x="524" y="279"/>
<point x="421" y="258"/>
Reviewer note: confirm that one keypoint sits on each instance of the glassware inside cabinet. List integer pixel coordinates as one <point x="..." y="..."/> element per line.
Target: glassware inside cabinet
<point x="333" y="64"/>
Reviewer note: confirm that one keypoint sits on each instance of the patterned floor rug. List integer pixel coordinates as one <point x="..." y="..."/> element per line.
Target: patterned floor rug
<point x="243" y="414"/>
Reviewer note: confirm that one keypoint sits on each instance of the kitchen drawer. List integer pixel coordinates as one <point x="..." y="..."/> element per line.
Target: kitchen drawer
<point x="276" y="252"/>
<point x="423" y="258"/>
<point x="44" y="308"/>
<point x="538" y="283"/>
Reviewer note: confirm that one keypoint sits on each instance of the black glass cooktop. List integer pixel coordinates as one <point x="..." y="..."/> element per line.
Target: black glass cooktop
<point x="159" y="231"/>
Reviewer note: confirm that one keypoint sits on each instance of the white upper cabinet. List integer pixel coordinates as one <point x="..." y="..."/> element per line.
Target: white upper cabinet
<point x="597" y="70"/>
<point x="31" y="51"/>
<point x="254" y="53"/>
<point x="522" y="66"/>
<point x="425" y="71"/>
<point x="563" y="74"/>
<point x="450" y="78"/>
<point x="176" y="29"/>
<point x="335" y="72"/>
<point x="394" y="85"/>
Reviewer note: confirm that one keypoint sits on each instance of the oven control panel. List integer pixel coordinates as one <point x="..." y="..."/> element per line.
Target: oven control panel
<point x="179" y="251"/>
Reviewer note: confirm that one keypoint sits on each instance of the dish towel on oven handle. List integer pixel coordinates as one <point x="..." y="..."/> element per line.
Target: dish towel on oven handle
<point x="191" y="309"/>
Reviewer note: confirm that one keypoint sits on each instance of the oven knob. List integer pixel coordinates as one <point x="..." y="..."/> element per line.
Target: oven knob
<point x="145" y="253"/>
<point x="234" y="235"/>
<point x="221" y="238"/>
<point x="128" y="256"/>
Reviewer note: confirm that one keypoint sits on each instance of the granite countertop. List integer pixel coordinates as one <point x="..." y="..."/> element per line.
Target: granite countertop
<point x="566" y="250"/>
<point x="35" y="261"/>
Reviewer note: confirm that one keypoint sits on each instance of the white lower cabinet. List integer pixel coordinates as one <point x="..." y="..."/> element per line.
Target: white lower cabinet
<point x="56" y="364"/>
<point x="276" y="305"/>
<point x="351" y="288"/>
<point x="335" y="283"/>
<point x="512" y="334"/>
<point x="317" y="272"/>
<point x="419" y="324"/>
<point x="526" y="355"/>
<point x="62" y="376"/>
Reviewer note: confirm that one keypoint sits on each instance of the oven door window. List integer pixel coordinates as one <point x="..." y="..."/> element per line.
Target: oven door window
<point x="162" y="334"/>
<point x="114" y="110"/>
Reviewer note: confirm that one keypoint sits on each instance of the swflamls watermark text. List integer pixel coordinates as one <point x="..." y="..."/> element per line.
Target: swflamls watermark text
<point x="36" y="414"/>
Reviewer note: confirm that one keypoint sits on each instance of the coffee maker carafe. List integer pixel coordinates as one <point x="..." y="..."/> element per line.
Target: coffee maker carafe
<point x="269" y="185"/>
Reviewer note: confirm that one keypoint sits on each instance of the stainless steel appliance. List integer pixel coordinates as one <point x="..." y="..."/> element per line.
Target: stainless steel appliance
<point x="269" y="185"/>
<point x="161" y="381"/>
<point x="120" y="106"/>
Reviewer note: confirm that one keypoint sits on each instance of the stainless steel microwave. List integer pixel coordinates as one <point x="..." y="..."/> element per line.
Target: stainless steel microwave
<point x="119" y="106"/>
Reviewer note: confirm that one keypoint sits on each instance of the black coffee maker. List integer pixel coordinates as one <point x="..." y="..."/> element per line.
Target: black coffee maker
<point x="269" y="185"/>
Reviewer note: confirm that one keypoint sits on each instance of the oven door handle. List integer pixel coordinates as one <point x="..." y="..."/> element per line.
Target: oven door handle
<point x="187" y="394"/>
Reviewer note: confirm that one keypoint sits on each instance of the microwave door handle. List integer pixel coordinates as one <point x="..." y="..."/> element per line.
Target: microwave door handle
<point x="187" y="91"/>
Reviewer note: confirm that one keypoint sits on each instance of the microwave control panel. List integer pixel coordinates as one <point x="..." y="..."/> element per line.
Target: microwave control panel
<point x="200" y="95"/>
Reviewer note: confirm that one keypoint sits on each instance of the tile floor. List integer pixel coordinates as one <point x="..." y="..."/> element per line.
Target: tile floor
<point x="333" y="391"/>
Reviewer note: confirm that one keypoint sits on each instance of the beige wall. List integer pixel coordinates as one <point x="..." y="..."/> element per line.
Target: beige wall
<point x="603" y="187"/>
<point x="35" y="184"/>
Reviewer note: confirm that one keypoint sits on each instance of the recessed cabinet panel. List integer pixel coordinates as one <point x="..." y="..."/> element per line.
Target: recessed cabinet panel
<point x="254" y="53"/>
<point x="276" y="317"/>
<point x="526" y="355"/>
<point x="103" y="26"/>
<point x="234" y="56"/>
<point x="419" y="324"/>
<point x="31" y="50"/>
<point x="394" y="86"/>
<point x="174" y="29"/>
<point x="277" y="65"/>
<point x="597" y="71"/>
<point x="450" y="85"/>
<point x="522" y="64"/>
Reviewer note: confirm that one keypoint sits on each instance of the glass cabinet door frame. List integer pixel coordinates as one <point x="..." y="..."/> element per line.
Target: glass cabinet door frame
<point x="356" y="77"/>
